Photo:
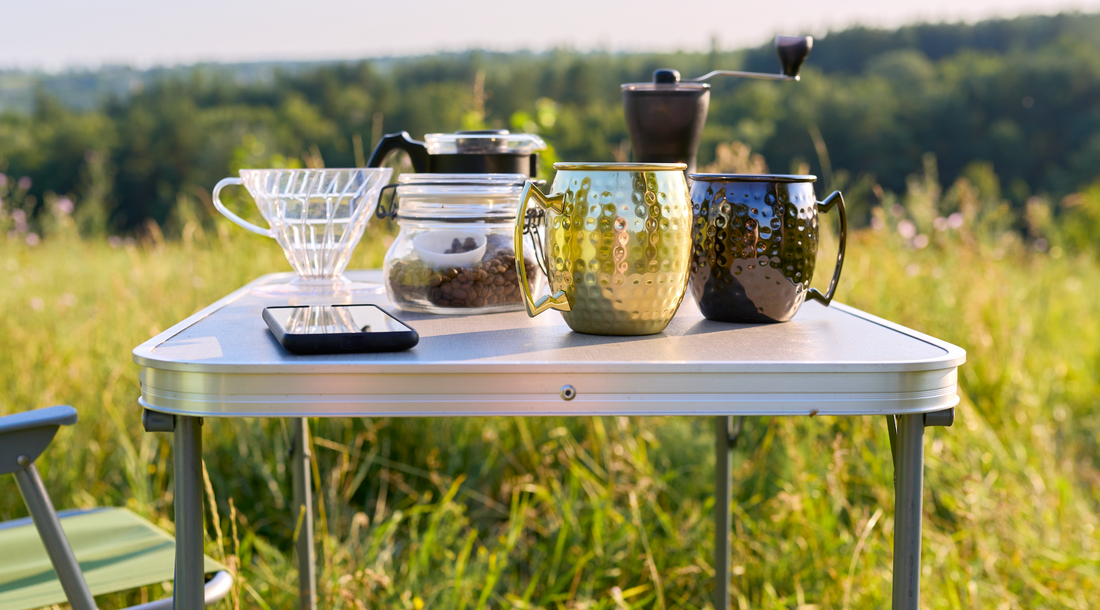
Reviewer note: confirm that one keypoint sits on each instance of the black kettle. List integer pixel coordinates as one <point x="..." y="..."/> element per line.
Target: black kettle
<point x="493" y="151"/>
<point x="665" y="118"/>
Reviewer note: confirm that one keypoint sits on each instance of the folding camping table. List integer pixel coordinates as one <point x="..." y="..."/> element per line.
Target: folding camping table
<point x="223" y="362"/>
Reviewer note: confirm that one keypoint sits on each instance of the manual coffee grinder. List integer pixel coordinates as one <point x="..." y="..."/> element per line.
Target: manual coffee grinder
<point x="665" y="118"/>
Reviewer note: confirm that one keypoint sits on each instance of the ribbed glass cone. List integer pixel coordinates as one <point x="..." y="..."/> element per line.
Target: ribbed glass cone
<point x="318" y="217"/>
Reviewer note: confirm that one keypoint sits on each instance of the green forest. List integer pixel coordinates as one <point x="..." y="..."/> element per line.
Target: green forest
<point x="969" y="157"/>
<point x="1014" y="97"/>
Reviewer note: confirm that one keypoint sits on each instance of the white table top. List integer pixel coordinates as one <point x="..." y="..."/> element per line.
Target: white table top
<point x="223" y="361"/>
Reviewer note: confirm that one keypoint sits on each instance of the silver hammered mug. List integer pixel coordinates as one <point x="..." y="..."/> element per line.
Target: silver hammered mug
<point x="754" y="245"/>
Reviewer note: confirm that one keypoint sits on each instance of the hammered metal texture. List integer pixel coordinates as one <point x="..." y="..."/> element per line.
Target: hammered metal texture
<point x="620" y="249"/>
<point x="754" y="247"/>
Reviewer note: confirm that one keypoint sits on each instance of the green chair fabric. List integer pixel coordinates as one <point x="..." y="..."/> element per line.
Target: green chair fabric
<point x="116" y="549"/>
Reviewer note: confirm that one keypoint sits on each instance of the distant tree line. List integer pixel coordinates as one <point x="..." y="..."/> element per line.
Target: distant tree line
<point x="1021" y="96"/>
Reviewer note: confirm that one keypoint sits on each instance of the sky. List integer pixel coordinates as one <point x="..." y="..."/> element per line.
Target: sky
<point x="59" y="34"/>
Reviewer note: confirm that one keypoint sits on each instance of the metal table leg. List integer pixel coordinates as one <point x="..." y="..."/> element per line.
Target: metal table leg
<point x="187" y="591"/>
<point x="909" y="494"/>
<point x="303" y="501"/>
<point x="907" y="446"/>
<point x="722" y="499"/>
<point x="726" y="432"/>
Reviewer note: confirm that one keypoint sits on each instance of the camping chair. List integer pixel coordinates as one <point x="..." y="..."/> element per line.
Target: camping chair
<point x="112" y="549"/>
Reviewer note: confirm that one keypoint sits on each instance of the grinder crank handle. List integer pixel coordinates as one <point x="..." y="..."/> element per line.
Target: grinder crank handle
<point x="792" y="51"/>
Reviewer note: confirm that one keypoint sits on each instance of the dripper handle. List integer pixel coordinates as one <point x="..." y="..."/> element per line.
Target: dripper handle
<point x="792" y="51"/>
<point x="230" y="215"/>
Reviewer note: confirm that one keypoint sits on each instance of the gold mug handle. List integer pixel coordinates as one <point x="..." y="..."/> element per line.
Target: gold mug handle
<point x="553" y="203"/>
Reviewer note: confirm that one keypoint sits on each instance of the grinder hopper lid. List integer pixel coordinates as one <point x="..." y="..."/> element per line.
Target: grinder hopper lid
<point x="666" y="80"/>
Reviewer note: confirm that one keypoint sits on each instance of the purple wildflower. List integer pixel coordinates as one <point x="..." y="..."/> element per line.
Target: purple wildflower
<point x="907" y="229"/>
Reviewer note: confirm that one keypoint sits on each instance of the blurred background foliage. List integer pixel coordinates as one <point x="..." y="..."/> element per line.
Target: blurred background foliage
<point x="1017" y="96"/>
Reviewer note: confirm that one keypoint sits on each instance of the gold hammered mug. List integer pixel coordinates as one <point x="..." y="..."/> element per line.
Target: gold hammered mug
<point x="617" y="247"/>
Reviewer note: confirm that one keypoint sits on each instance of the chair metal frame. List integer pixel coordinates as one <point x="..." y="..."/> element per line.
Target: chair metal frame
<point x="23" y="438"/>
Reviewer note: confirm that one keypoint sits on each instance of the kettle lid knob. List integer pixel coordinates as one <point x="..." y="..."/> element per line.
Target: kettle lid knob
<point x="666" y="75"/>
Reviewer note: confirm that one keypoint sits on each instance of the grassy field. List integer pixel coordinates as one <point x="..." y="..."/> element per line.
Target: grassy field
<point x="599" y="512"/>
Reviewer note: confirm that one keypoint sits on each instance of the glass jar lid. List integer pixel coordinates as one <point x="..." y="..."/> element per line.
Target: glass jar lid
<point x="489" y="141"/>
<point x="459" y="196"/>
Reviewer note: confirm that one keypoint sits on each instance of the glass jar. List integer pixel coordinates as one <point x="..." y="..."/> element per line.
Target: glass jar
<point x="455" y="250"/>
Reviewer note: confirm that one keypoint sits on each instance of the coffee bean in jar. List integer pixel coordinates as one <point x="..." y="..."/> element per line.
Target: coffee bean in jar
<point x="455" y="251"/>
<point x="490" y="284"/>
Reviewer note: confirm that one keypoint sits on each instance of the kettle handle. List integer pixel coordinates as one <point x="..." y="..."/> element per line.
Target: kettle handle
<point x="557" y="300"/>
<point x="824" y="206"/>
<point x="392" y="142"/>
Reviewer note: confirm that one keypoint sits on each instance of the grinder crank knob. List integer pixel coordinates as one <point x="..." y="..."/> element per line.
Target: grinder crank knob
<point x="792" y="51"/>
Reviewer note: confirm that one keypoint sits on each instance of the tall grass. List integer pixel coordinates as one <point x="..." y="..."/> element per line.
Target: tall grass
<point x="599" y="512"/>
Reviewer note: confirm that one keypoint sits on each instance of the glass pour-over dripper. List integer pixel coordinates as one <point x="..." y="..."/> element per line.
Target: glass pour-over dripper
<point x="317" y="216"/>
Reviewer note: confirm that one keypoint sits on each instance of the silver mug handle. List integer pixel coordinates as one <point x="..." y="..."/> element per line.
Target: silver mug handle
<point x="230" y="215"/>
